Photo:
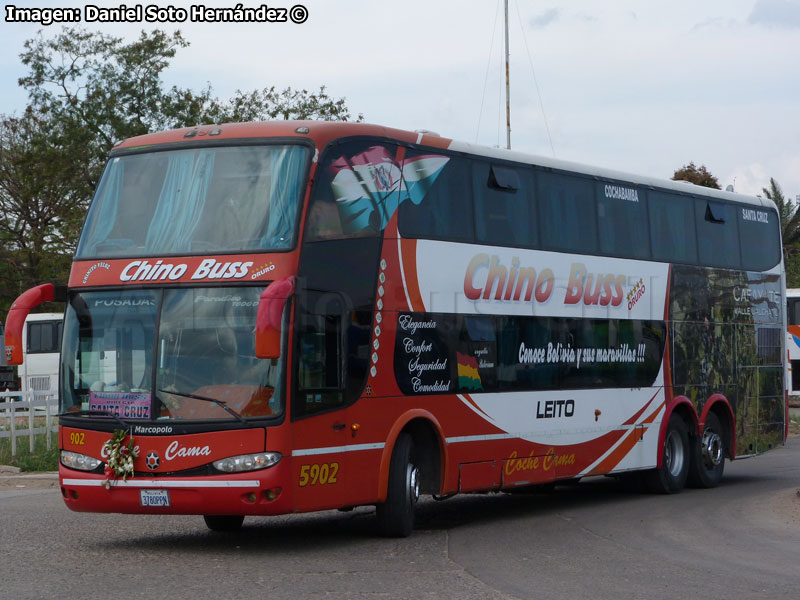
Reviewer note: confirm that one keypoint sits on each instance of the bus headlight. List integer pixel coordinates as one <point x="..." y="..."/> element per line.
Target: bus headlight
<point x="247" y="462"/>
<point x="73" y="460"/>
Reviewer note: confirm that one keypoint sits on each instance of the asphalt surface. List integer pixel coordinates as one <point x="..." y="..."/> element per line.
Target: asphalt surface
<point x="740" y="540"/>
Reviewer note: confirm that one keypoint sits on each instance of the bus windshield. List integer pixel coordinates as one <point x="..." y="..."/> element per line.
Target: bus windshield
<point x="196" y="201"/>
<point x="171" y="354"/>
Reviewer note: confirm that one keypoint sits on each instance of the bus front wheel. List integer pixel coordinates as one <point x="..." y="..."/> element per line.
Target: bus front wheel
<point x="396" y="515"/>
<point x="708" y="455"/>
<point x="671" y="476"/>
<point x="224" y="522"/>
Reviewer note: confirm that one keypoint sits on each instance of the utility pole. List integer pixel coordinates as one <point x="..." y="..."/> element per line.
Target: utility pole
<point x="508" y="96"/>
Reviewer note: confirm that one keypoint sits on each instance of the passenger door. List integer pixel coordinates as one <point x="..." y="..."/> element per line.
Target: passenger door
<point x="321" y="430"/>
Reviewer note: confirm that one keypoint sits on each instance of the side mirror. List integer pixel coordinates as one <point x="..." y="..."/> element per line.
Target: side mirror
<point x="270" y="315"/>
<point x="15" y="321"/>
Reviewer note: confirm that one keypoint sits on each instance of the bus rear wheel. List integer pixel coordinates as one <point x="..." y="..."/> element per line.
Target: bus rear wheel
<point x="708" y="455"/>
<point x="224" y="522"/>
<point x="671" y="476"/>
<point x="396" y="516"/>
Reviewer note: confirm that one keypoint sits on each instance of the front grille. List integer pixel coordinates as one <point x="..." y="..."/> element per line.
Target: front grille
<point x="39" y="383"/>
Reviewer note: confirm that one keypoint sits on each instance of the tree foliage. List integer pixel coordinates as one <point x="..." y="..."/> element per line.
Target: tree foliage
<point x="87" y="91"/>
<point x="789" y="212"/>
<point x="268" y="104"/>
<point x="42" y="188"/>
<point x="696" y="175"/>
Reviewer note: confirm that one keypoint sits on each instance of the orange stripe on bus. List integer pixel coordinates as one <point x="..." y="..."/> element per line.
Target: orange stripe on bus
<point x="638" y="414"/>
<point x="620" y="452"/>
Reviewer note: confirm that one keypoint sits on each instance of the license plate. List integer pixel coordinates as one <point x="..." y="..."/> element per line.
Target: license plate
<point x="154" y="497"/>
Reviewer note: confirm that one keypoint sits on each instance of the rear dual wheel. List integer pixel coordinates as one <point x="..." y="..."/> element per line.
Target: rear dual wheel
<point x="708" y="455"/>
<point x="671" y="476"/>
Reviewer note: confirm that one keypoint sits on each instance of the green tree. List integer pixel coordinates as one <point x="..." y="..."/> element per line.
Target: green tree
<point x="268" y="104"/>
<point x="41" y="203"/>
<point x="790" y="230"/>
<point x="789" y="213"/>
<point x="696" y="175"/>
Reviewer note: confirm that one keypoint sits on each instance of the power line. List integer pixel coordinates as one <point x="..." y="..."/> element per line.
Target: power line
<point x="488" y="65"/>
<point x="535" y="82"/>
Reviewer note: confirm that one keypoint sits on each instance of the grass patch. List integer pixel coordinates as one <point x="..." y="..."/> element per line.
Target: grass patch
<point x="41" y="459"/>
<point x="794" y="425"/>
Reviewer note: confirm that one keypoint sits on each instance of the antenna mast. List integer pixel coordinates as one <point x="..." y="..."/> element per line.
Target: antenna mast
<point x="508" y="97"/>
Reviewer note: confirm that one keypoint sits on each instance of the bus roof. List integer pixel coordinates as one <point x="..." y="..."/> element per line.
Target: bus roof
<point x="323" y="132"/>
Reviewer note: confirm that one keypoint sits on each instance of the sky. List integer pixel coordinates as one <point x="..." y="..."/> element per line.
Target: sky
<point x="636" y="86"/>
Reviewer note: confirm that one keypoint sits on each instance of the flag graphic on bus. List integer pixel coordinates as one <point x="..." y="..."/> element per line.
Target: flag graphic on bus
<point x="369" y="187"/>
<point x="468" y="376"/>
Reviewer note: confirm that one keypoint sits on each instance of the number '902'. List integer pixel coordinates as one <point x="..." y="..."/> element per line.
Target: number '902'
<point x="318" y="474"/>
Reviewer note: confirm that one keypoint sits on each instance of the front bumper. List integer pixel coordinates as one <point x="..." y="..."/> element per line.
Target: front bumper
<point x="261" y="492"/>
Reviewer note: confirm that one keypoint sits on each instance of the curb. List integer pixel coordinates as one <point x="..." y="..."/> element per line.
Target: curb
<point x="46" y="475"/>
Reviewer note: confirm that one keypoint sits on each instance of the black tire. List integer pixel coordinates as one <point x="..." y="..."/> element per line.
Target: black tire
<point x="671" y="477"/>
<point x="708" y="455"/>
<point x="396" y="516"/>
<point x="224" y="522"/>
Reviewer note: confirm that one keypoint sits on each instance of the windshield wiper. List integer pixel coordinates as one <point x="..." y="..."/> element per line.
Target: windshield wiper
<point x="96" y="413"/>
<point x="219" y="403"/>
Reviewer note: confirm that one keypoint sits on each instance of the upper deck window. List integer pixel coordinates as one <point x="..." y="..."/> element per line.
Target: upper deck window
<point x="196" y="201"/>
<point x="622" y="220"/>
<point x="759" y="230"/>
<point x="567" y="214"/>
<point x="672" y="227"/>
<point x="504" y="205"/>
<point x="444" y="211"/>
<point x="717" y="234"/>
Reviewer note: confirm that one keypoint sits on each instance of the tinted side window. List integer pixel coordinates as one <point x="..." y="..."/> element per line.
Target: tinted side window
<point x="320" y="354"/>
<point x="717" y="234"/>
<point x="566" y="213"/>
<point x="444" y="353"/>
<point x="34" y="337"/>
<point x="622" y="220"/>
<point x="444" y="211"/>
<point x="356" y="191"/>
<point x="760" y="238"/>
<point x="504" y="205"/>
<point x="793" y="311"/>
<point x="672" y="228"/>
<point x="44" y="336"/>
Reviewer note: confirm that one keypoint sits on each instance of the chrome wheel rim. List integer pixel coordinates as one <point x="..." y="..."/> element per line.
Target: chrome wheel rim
<point x="673" y="453"/>
<point x="412" y="480"/>
<point x="711" y="448"/>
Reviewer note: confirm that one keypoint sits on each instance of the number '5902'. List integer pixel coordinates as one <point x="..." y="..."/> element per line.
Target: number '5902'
<point x="318" y="474"/>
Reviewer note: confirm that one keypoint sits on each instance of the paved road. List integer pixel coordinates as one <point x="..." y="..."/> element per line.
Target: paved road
<point x="741" y="540"/>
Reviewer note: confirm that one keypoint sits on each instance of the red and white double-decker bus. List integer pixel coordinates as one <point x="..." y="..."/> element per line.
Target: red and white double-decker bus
<point x="297" y="316"/>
